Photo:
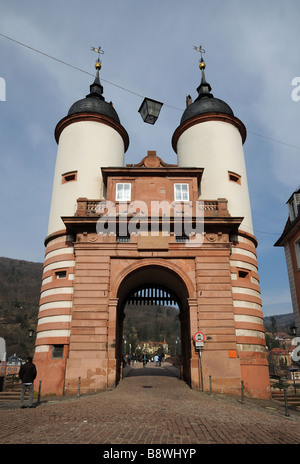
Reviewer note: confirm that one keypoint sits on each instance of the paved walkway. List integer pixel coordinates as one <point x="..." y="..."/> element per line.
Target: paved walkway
<point x="150" y="406"/>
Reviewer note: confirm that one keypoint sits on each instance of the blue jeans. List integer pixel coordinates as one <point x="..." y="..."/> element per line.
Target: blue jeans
<point x="30" y="399"/>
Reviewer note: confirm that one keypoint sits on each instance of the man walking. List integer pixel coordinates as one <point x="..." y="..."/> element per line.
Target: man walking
<point x="27" y="374"/>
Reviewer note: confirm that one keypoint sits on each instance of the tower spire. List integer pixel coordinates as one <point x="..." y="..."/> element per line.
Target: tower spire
<point x="96" y="89"/>
<point x="204" y="88"/>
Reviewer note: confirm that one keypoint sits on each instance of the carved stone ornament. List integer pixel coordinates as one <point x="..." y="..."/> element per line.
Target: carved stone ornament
<point x="93" y="237"/>
<point x="211" y="237"/>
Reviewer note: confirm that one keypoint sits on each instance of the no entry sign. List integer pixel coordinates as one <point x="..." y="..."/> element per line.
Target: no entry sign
<point x="199" y="337"/>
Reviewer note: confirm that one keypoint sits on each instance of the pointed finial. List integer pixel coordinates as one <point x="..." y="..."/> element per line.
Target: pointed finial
<point x="204" y="88"/>
<point x="96" y="88"/>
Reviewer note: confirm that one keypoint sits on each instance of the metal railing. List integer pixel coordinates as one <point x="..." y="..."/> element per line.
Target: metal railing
<point x="290" y="400"/>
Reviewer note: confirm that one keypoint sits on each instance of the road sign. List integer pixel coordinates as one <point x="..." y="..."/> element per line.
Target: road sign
<point x="199" y="337"/>
<point x="199" y="345"/>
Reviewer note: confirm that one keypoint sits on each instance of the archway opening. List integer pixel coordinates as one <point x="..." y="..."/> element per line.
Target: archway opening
<point x="151" y="326"/>
<point x="163" y="291"/>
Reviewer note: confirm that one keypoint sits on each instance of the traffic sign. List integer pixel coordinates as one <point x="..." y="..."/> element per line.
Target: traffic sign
<point x="199" y="337"/>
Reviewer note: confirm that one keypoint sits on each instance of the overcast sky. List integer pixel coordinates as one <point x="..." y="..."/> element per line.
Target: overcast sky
<point x="252" y="56"/>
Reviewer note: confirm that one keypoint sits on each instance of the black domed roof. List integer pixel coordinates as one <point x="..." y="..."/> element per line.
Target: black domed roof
<point x="205" y="102"/>
<point x="94" y="105"/>
<point x="206" y="105"/>
<point x="94" y="102"/>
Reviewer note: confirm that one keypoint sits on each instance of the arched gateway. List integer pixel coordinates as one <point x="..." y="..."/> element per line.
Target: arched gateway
<point x="116" y="228"/>
<point x="154" y="281"/>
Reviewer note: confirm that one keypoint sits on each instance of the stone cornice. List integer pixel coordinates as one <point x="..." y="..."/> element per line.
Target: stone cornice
<point x="208" y="117"/>
<point x="78" y="117"/>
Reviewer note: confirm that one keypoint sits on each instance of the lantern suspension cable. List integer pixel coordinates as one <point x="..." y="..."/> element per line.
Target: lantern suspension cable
<point x="124" y="88"/>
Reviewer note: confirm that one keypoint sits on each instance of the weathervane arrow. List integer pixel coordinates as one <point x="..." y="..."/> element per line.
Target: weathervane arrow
<point x="199" y="49"/>
<point x="98" y="50"/>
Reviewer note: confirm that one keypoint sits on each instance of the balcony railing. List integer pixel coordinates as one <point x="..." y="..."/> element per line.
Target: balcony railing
<point x="96" y="208"/>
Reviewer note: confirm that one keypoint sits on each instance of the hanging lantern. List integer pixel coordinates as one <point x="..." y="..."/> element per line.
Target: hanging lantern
<point x="150" y="110"/>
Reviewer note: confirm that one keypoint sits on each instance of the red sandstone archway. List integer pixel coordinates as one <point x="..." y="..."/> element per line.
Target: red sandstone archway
<point x="156" y="273"/>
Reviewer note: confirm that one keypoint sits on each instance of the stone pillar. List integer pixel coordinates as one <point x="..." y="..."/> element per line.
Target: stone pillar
<point x="193" y="311"/>
<point x="112" y="342"/>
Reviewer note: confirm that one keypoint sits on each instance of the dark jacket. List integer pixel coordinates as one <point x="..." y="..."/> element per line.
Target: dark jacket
<point x="27" y="372"/>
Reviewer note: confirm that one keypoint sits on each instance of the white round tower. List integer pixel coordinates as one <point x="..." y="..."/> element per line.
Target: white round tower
<point x="211" y="137"/>
<point x="89" y="137"/>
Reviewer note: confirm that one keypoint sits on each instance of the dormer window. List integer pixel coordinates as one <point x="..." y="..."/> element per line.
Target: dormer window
<point x="294" y="206"/>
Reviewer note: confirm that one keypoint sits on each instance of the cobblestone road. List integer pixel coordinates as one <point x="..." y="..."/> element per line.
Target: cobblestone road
<point x="156" y="408"/>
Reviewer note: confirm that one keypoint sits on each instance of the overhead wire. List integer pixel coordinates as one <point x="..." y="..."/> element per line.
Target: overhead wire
<point x="273" y="140"/>
<point x="75" y="67"/>
<point x="121" y="87"/>
<point x="117" y="85"/>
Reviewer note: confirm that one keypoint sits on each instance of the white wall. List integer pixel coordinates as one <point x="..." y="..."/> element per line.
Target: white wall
<point x="217" y="147"/>
<point x="85" y="147"/>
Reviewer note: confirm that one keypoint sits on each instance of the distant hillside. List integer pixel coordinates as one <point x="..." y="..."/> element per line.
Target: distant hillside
<point x="154" y="323"/>
<point x="20" y="286"/>
<point x="20" y="282"/>
<point x="283" y="322"/>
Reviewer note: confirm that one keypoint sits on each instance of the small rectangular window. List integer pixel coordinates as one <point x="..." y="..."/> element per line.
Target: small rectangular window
<point x="69" y="177"/>
<point x="233" y="177"/>
<point x="181" y="192"/>
<point x="243" y="274"/>
<point x="61" y="274"/>
<point x="122" y="238"/>
<point x="181" y="238"/>
<point x="57" y="351"/>
<point x="123" y="192"/>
